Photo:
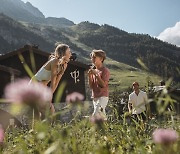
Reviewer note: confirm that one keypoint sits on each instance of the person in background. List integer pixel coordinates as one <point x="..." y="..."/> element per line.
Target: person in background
<point x="137" y="102"/>
<point x="53" y="70"/>
<point x="98" y="81"/>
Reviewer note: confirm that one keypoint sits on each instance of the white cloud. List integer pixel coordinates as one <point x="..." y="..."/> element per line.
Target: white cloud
<point x="171" y="34"/>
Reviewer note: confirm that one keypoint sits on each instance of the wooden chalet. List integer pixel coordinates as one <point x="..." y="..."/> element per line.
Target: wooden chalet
<point x="12" y="67"/>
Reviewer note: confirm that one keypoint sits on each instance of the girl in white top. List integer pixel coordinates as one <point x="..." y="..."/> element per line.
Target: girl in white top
<point x="54" y="68"/>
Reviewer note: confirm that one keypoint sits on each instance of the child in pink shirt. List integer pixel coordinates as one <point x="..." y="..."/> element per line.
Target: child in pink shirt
<point x="98" y="82"/>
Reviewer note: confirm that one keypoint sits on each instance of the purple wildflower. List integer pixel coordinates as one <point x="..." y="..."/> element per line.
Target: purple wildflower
<point x="97" y="119"/>
<point x="74" y="98"/>
<point x="165" y="136"/>
<point x="30" y="94"/>
<point x="1" y="134"/>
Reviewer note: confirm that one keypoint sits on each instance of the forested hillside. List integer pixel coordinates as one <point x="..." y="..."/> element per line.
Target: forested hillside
<point x="160" y="57"/>
<point x="14" y="35"/>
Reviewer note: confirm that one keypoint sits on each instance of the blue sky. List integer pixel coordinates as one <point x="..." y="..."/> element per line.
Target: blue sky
<point x="151" y="17"/>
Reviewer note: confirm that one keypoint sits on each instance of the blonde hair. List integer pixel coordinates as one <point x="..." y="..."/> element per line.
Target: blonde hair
<point x="60" y="51"/>
<point x="98" y="53"/>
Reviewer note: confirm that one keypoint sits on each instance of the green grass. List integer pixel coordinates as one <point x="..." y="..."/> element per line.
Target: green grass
<point x="124" y="79"/>
<point x="122" y="75"/>
<point x="86" y="137"/>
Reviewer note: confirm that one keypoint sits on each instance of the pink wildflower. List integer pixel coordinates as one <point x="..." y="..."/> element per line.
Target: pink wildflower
<point x="74" y="97"/>
<point x="165" y="136"/>
<point x="1" y="134"/>
<point x="97" y="119"/>
<point x="29" y="94"/>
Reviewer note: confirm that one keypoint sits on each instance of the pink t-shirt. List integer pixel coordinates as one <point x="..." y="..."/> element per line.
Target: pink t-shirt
<point x="98" y="91"/>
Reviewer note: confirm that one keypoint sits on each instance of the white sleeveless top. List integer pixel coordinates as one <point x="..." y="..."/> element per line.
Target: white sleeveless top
<point x="43" y="74"/>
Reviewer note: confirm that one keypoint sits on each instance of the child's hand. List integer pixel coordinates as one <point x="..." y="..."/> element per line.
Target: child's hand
<point x="62" y="67"/>
<point x="64" y="60"/>
<point x="92" y="71"/>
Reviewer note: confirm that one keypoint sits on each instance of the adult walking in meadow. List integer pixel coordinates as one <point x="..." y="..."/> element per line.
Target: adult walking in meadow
<point x="98" y="81"/>
<point x="137" y="102"/>
<point x="53" y="70"/>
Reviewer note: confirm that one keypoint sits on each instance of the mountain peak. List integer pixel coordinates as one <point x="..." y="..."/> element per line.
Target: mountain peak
<point x="33" y="10"/>
<point x="19" y="10"/>
<point x="22" y="11"/>
<point x="86" y="26"/>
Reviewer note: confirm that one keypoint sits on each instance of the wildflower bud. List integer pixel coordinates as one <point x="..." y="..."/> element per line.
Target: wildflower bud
<point x="97" y="119"/>
<point x="34" y="94"/>
<point x="75" y="98"/>
<point x="165" y="136"/>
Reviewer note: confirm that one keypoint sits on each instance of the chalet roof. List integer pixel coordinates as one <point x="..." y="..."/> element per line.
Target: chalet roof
<point x="38" y="51"/>
<point x="9" y="70"/>
<point x="24" y="49"/>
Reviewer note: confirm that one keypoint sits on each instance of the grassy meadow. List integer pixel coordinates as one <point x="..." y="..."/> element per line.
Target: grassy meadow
<point x="86" y="137"/>
<point x="119" y="134"/>
<point x="122" y="76"/>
